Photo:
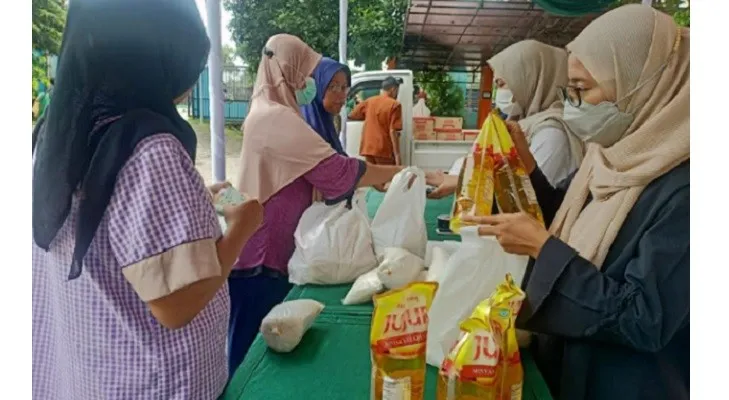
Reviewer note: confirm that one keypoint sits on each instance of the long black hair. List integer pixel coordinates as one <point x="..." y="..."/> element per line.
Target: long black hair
<point x="121" y="65"/>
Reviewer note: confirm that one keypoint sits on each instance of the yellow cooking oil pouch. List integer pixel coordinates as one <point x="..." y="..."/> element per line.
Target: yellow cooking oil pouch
<point x="485" y="363"/>
<point x="475" y="190"/>
<point x="398" y="340"/>
<point x="512" y="187"/>
<point x="471" y="371"/>
<point x="505" y="304"/>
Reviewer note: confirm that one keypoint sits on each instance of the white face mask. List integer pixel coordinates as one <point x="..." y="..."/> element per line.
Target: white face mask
<point x="505" y="102"/>
<point x="603" y="123"/>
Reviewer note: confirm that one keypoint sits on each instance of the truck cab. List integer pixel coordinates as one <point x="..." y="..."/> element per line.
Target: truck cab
<point x="426" y="154"/>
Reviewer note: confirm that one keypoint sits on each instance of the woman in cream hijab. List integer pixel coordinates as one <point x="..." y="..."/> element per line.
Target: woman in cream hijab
<point x="608" y="287"/>
<point x="284" y="162"/>
<point x="528" y="75"/>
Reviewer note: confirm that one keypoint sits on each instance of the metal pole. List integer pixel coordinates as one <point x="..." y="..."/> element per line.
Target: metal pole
<point x="200" y="99"/>
<point x="343" y="59"/>
<point x="215" y="84"/>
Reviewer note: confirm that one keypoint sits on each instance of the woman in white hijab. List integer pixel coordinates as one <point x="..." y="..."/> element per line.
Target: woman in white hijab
<point x="608" y="287"/>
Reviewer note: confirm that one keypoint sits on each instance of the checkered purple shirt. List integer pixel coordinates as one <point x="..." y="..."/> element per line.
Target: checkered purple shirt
<point x="93" y="338"/>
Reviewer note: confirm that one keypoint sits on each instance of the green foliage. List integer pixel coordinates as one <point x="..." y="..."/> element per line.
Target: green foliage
<point x="375" y="27"/>
<point x="683" y="17"/>
<point x="445" y="97"/>
<point x="229" y="55"/>
<point x="49" y="18"/>
<point x="39" y="74"/>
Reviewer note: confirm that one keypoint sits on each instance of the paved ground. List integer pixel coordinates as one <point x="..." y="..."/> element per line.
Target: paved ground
<point x="204" y="159"/>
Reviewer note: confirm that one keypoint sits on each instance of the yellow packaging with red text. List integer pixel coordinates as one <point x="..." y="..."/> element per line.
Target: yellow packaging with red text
<point x="512" y="187"/>
<point x="475" y="189"/>
<point x="485" y="364"/>
<point x="398" y="340"/>
<point x="471" y="371"/>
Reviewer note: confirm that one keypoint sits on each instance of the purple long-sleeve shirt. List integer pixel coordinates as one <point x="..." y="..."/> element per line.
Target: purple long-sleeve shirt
<point x="273" y="244"/>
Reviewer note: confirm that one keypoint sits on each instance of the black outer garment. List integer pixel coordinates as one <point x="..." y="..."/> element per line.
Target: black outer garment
<point x="622" y="332"/>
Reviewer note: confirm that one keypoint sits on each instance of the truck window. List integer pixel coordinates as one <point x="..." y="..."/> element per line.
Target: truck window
<point x="363" y="91"/>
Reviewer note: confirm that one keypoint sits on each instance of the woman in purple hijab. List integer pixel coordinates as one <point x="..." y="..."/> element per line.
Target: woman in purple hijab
<point x="333" y="80"/>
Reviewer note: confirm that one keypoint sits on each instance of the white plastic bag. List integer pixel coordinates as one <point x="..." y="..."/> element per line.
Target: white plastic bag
<point x="449" y="246"/>
<point x="285" y="324"/>
<point x="420" y="109"/>
<point x="399" y="267"/>
<point x="363" y="289"/>
<point x="439" y="260"/>
<point x="470" y="276"/>
<point x="400" y="220"/>
<point x="456" y="167"/>
<point x="333" y="245"/>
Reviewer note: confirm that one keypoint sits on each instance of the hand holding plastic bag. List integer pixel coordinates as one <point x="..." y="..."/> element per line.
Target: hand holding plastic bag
<point x="285" y="324"/>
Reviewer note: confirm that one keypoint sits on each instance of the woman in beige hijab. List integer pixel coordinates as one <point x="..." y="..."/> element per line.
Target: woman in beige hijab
<point x="284" y="162"/>
<point x="608" y="287"/>
<point x="528" y="75"/>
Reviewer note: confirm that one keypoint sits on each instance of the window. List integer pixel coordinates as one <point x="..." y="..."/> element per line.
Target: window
<point x="363" y="91"/>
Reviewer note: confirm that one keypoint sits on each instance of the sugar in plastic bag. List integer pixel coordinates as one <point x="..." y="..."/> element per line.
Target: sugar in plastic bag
<point x="286" y="323"/>
<point x="399" y="267"/>
<point x="364" y="288"/>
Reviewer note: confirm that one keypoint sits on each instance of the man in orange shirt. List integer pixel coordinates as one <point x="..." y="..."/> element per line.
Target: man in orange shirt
<point x="382" y="116"/>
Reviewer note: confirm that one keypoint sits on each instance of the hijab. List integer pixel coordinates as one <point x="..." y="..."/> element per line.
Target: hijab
<point x="121" y="65"/>
<point x="633" y="48"/>
<point x="318" y="118"/>
<point x="278" y="145"/>
<point x="534" y="72"/>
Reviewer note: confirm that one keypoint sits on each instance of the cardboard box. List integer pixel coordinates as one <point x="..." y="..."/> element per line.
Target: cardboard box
<point x="451" y="123"/>
<point x="423" y="128"/>
<point x="449" y="134"/>
<point x="470" y="135"/>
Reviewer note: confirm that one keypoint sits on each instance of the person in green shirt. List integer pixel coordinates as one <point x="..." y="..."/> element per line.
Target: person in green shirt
<point x="43" y="100"/>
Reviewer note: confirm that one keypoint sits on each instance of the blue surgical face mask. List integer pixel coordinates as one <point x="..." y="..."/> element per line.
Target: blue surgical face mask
<point x="306" y="95"/>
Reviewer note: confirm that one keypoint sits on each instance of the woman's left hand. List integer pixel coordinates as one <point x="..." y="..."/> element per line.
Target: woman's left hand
<point x="215" y="188"/>
<point x="517" y="233"/>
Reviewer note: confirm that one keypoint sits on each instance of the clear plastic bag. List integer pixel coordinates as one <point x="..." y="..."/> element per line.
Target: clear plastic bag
<point x="399" y="267"/>
<point x="285" y="324"/>
<point x="363" y="289"/>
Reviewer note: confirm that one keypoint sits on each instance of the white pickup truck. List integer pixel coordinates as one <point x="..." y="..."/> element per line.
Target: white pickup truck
<point x="426" y="154"/>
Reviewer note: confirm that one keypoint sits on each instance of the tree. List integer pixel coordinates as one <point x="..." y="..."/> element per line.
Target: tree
<point x="229" y="55"/>
<point x="49" y="18"/>
<point x="375" y="27"/>
<point x="445" y="98"/>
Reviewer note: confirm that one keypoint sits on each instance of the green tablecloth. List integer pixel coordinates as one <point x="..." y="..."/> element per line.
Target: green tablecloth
<point x="332" y="362"/>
